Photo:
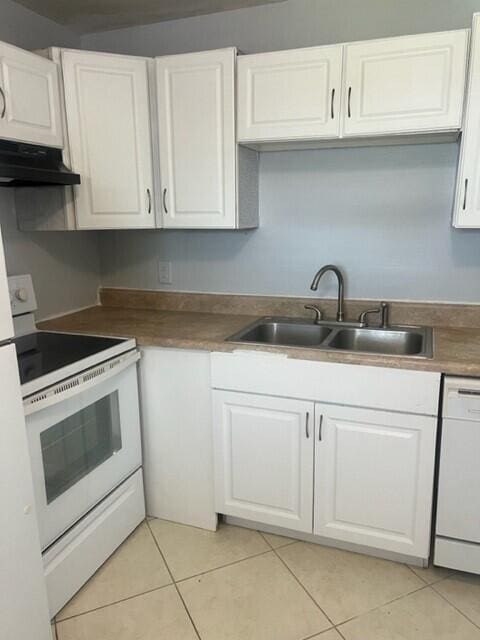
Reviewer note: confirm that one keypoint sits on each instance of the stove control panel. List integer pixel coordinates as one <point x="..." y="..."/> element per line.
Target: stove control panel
<point x="22" y="294"/>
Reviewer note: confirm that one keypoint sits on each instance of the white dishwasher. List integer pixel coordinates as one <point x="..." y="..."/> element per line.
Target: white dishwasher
<point x="457" y="536"/>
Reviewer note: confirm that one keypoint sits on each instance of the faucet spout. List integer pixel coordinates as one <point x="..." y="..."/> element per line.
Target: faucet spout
<point x="341" y="284"/>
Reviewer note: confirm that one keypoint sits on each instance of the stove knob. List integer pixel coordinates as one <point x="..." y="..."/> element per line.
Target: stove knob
<point x="21" y="294"/>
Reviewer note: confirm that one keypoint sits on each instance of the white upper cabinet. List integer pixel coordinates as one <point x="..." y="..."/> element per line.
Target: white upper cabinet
<point x="29" y="98"/>
<point x="108" y="120"/>
<point x="264" y="459"/>
<point x="374" y="478"/>
<point x="405" y="85"/>
<point x="201" y="169"/>
<point x="467" y="198"/>
<point x="290" y="95"/>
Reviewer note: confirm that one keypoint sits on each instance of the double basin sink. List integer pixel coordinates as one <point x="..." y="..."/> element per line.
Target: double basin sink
<point x="335" y="336"/>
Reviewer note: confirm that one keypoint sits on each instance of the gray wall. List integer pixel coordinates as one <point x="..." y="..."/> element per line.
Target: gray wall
<point x="284" y="25"/>
<point x="65" y="266"/>
<point x="383" y="214"/>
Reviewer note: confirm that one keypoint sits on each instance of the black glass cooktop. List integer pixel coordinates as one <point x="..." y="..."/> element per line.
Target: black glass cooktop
<point x="42" y="352"/>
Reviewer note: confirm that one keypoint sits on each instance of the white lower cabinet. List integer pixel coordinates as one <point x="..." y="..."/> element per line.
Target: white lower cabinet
<point x="177" y="435"/>
<point x="264" y="459"/>
<point x="293" y="452"/>
<point x="374" y="478"/>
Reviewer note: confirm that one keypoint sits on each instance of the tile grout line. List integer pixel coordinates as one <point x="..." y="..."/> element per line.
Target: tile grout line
<point x="385" y="604"/>
<point x="336" y="626"/>
<point x="273" y="550"/>
<point x="298" y="582"/>
<point x="111" y="604"/>
<point x="315" y="635"/>
<point x="429" y="584"/>
<point x="455" y="607"/>
<point x="223" y="566"/>
<point x="174" y="583"/>
<point x="410" y="569"/>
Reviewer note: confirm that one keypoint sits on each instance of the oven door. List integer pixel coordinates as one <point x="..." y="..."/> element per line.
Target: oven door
<point x="84" y="440"/>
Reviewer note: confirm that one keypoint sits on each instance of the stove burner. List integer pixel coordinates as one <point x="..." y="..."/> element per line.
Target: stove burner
<point x="42" y="352"/>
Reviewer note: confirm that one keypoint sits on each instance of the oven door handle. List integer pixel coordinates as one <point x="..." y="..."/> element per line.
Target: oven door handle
<point x="79" y="384"/>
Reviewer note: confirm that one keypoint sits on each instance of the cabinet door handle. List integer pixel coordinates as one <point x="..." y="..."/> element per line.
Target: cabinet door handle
<point x="349" y="105"/>
<point x="4" y="100"/>
<point x="332" y="102"/>
<point x="465" y="195"/>
<point x="165" y="200"/>
<point x="307" y="427"/>
<point x="320" y="424"/>
<point x="469" y="392"/>
<point x="149" y="196"/>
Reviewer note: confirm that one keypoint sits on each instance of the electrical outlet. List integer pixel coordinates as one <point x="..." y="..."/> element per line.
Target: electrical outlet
<point x="164" y="272"/>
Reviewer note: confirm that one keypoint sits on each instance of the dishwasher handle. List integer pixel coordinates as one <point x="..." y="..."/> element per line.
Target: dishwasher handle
<point x="468" y="392"/>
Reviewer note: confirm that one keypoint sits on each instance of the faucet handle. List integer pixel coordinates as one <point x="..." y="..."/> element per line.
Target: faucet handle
<point x="318" y="312"/>
<point x="362" y="318"/>
<point x="385" y="309"/>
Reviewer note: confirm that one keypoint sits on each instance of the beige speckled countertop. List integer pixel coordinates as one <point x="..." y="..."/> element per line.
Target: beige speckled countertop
<point x="456" y="350"/>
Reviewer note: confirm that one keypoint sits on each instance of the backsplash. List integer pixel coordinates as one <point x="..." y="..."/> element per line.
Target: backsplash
<point x="399" y="313"/>
<point x="383" y="214"/>
<point x="64" y="266"/>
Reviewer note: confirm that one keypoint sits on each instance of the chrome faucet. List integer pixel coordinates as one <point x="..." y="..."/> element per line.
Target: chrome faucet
<point x="338" y="273"/>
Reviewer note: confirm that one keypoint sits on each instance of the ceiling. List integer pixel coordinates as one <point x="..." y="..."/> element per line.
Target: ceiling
<point x="86" y="16"/>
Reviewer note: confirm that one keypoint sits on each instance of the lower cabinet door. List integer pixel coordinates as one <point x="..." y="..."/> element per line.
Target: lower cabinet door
<point x="264" y="459"/>
<point x="374" y="478"/>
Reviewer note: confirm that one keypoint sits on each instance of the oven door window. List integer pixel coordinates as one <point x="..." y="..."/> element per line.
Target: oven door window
<point x="72" y="448"/>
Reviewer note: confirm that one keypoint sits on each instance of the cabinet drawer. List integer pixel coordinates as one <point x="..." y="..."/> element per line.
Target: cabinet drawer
<point x="70" y="562"/>
<point x="361" y="386"/>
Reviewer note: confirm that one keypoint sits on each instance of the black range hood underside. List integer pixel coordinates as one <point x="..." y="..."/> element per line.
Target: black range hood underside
<point x="26" y="165"/>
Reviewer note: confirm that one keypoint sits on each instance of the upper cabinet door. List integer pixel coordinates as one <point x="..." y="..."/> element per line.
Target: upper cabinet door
<point x="29" y="98"/>
<point x="198" y="152"/>
<point x="405" y="85"/>
<point x="108" y="119"/>
<point x="290" y="95"/>
<point x="374" y="478"/>
<point x="467" y="198"/>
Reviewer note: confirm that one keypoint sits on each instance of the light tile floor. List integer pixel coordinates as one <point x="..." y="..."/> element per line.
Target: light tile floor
<point x="172" y="582"/>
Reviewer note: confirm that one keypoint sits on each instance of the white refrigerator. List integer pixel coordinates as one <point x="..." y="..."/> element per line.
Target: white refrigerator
<point x="23" y="597"/>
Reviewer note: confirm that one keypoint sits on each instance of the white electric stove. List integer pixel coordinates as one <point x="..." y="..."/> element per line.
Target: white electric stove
<point x="80" y="397"/>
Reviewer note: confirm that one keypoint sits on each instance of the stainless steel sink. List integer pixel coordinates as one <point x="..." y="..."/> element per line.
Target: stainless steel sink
<point x="338" y="336"/>
<point x="290" y="333"/>
<point x="396" y="342"/>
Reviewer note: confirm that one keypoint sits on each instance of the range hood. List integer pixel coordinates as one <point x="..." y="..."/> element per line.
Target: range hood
<point x="26" y="165"/>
